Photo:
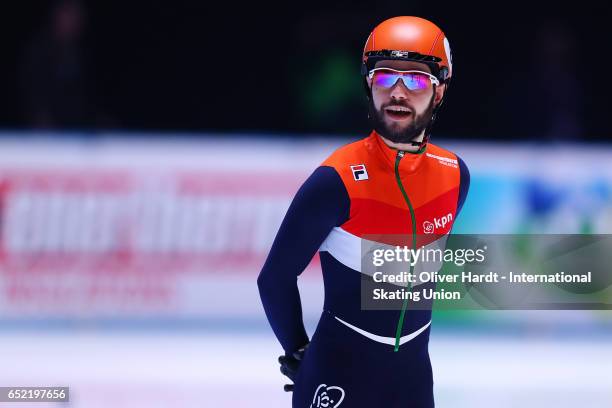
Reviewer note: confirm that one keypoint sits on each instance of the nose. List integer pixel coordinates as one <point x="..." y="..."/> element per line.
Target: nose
<point x="399" y="90"/>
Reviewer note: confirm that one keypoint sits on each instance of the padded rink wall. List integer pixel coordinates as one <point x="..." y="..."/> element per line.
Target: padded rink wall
<point x="173" y="229"/>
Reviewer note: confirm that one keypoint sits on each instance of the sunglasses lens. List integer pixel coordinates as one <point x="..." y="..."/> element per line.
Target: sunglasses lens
<point x="385" y="79"/>
<point x="412" y="81"/>
<point x="416" y="82"/>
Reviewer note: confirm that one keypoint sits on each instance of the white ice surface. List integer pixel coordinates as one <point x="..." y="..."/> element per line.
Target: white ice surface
<point x="239" y="369"/>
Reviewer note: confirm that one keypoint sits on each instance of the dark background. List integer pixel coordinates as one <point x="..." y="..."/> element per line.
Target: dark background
<point x="521" y="69"/>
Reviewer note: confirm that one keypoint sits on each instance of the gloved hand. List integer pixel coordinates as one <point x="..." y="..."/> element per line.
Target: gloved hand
<point x="290" y="364"/>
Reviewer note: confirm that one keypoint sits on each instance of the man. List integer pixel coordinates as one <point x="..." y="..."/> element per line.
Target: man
<point x="392" y="182"/>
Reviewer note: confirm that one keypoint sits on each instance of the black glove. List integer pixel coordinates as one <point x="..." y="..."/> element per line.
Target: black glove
<point x="290" y="364"/>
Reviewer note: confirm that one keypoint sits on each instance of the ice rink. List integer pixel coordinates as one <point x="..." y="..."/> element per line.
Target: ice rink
<point x="141" y="231"/>
<point x="238" y="369"/>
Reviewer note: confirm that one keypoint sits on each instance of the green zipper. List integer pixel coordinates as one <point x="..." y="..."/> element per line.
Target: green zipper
<point x="400" y="323"/>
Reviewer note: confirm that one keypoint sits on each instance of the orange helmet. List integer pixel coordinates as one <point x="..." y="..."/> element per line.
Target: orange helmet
<point x="410" y="39"/>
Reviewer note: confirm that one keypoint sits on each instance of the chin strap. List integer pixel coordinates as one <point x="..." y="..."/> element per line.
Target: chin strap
<point x="421" y="145"/>
<point x="425" y="140"/>
<point x="434" y="114"/>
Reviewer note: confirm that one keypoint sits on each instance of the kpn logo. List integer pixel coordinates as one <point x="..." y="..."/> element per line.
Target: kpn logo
<point x="430" y="227"/>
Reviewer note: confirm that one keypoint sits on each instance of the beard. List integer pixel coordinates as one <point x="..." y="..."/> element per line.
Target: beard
<point x="394" y="132"/>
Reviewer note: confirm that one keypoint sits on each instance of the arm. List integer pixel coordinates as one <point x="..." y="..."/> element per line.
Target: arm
<point x="464" y="183"/>
<point x="320" y="204"/>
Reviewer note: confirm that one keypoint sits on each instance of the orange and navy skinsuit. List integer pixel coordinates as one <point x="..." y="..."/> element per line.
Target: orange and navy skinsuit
<point x="363" y="189"/>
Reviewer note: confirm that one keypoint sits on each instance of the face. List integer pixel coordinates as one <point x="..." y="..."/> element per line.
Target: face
<point x="398" y="113"/>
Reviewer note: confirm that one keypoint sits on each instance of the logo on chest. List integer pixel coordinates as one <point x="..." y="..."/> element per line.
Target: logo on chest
<point x="438" y="223"/>
<point x="359" y="172"/>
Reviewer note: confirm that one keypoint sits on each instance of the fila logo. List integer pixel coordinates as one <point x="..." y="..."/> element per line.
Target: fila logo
<point x="359" y="172"/>
<point x="430" y="227"/>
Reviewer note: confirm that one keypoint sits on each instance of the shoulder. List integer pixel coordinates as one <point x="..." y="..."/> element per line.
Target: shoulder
<point x="349" y="152"/>
<point x="453" y="160"/>
<point x="322" y="195"/>
<point x="435" y="152"/>
<point x="347" y="159"/>
<point x="447" y="156"/>
<point x="323" y="179"/>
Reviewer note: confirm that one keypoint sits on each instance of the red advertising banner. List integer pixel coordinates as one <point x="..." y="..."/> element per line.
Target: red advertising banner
<point x="78" y="242"/>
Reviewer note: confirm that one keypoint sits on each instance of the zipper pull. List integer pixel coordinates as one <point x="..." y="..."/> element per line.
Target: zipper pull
<point x="400" y="153"/>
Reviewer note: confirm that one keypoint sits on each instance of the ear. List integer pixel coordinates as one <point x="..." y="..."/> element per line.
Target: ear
<point x="369" y="81"/>
<point x="440" y="89"/>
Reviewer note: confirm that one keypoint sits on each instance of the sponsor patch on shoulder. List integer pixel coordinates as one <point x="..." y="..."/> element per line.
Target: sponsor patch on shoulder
<point x="444" y="160"/>
<point x="359" y="172"/>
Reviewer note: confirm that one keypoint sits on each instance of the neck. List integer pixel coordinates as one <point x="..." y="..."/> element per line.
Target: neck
<point x="407" y="147"/>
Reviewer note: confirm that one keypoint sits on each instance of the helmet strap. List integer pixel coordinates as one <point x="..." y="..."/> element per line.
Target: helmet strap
<point x="433" y="116"/>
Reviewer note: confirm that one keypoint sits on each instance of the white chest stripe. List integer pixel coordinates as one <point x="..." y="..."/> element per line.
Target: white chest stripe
<point x="348" y="249"/>
<point x="383" y="339"/>
<point x="344" y="247"/>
